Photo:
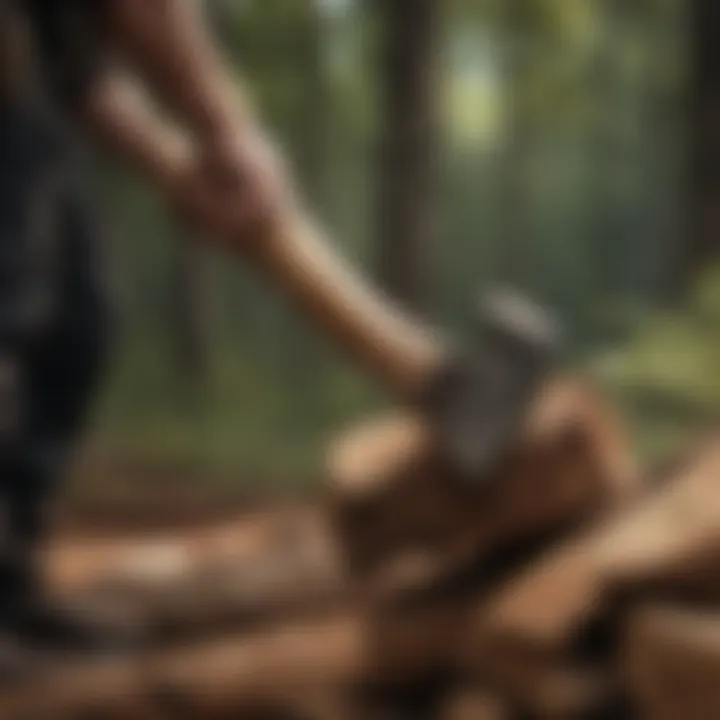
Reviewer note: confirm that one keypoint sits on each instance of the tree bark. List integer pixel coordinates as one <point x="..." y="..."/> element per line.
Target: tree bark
<point x="702" y="243"/>
<point x="409" y="146"/>
<point x="191" y="312"/>
<point x="516" y="253"/>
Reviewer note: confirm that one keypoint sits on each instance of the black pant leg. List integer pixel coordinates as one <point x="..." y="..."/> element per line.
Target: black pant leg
<point x="63" y="370"/>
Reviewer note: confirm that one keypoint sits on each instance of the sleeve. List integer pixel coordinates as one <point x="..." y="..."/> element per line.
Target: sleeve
<point x="70" y="43"/>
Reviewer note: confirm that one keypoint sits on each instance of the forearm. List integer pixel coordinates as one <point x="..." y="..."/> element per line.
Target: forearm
<point x="170" y="46"/>
<point x="121" y="118"/>
<point x="118" y="115"/>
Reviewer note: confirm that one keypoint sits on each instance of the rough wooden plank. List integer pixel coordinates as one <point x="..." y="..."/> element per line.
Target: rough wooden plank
<point x="400" y="515"/>
<point x="671" y="539"/>
<point x="671" y="662"/>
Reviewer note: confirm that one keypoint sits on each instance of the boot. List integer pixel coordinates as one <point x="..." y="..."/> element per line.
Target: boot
<point x="43" y="622"/>
<point x="30" y="612"/>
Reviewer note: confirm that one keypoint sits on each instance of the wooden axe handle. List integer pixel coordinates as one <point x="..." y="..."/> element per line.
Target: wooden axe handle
<point x="294" y="253"/>
<point x="299" y="258"/>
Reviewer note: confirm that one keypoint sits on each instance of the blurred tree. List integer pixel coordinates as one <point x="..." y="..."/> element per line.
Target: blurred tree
<point x="190" y="304"/>
<point x="703" y="241"/>
<point x="409" y="68"/>
<point x="317" y="105"/>
<point x="192" y="312"/>
<point x="519" y="68"/>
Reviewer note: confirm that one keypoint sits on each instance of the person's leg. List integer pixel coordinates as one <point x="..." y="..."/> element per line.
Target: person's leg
<point x="62" y="369"/>
<point x="62" y="375"/>
<point x="12" y="403"/>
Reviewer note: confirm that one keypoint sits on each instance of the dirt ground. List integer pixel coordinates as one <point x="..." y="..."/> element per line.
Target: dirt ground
<point x="138" y="498"/>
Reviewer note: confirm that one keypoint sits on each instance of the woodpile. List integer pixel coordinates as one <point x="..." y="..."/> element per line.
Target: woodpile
<point x="564" y="588"/>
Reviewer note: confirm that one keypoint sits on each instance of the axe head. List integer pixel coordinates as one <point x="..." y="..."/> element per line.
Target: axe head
<point x="480" y="403"/>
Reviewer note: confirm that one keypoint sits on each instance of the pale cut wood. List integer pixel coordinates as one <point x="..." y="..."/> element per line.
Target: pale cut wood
<point x="671" y="539"/>
<point x="256" y="568"/>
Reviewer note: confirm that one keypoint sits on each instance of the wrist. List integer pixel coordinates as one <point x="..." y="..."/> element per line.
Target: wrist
<point x="168" y="165"/>
<point x="223" y="119"/>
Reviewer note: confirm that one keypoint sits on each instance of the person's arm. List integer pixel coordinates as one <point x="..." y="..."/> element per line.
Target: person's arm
<point x="169" y="44"/>
<point x="164" y="42"/>
<point x="226" y="179"/>
<point x="119" y="116"/>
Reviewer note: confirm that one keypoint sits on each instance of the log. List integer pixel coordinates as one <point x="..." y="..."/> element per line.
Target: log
<point x="213" y="679"/>
<point x="474" y="704"/>
<point x="238" y="675"/>
<point x="400" y="524"/>
<point x="282" y="562"/>
<point x="669" y="542"/>
<point x="403" y="522"/>
<point x="294" y="669"/>
<point x="250" y="570"/>
<point x="671" y="662"/>
<point x="540" y="687"/>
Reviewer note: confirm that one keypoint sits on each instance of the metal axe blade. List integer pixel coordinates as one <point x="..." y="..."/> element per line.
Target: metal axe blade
<point x="481" y="399"/>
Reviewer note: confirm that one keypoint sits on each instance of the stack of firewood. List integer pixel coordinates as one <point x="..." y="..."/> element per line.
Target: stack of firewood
<point x="562" y="588"/>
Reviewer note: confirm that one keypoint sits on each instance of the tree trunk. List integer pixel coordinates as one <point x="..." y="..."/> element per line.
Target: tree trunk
<point x="191" y="312"/>
<point x="407" y="202"/>
<point x="317" y="108"/>
<point x="515" y="262"/>
<point x="702" y="243"/>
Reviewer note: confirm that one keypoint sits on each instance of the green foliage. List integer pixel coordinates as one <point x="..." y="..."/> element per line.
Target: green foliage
<point x="668" y="375"/>
<point x="675" y="353"/>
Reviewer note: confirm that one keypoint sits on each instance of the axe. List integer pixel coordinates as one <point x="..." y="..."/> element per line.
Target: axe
<point x="473" y="397"/>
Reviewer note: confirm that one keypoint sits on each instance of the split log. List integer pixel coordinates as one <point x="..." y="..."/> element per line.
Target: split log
<point x="403" y="521"/>
<point x="254" y="569"/>
<point x="671" y="662"/>
<point x="668" y="542"/>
